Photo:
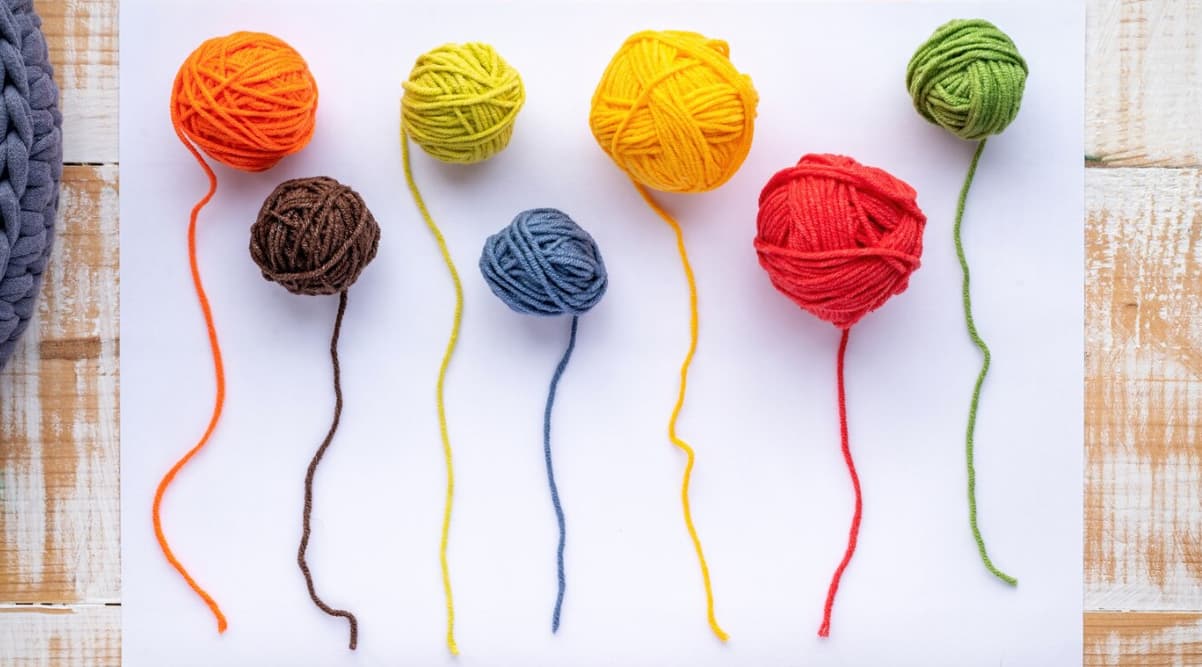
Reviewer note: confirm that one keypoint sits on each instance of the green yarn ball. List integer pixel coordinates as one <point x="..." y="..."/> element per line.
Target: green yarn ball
<point x="460" y="102"/>
<point x="968" y="78"/>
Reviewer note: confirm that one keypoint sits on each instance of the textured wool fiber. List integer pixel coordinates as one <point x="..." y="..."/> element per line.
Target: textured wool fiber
<point x="543" y="263"/>
<point x="459" y="105"/>
<point x="246" y="100"/>
<point x="837" y="237"/>
<point x="31" y="146"/>
<point x="315" y="236"/>
<point x="675" y="115"/>
<point x="673" y="112"/>
<point x="968" y="78"/>
<point x="840" y="239"/>
<point x="461" y="101"/>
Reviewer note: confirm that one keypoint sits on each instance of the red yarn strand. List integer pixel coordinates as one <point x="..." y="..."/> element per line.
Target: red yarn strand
<point x="854" y="533"/>
<point x="219" y="401"/>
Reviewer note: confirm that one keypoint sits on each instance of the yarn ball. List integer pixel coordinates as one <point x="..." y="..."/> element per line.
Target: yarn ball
<point x="314" y="236"/>
<point x="968" y="78"/>
<point x="460" y="102"/>
<point x="31" y="154"/>
<point x="837" y="237"/>
<point x="247" y="100"/>
<point x="673" y="112"/>
<point x="544" y="263"/>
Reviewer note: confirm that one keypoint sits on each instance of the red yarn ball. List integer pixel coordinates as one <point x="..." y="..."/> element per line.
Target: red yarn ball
<point x="838" y="237"/>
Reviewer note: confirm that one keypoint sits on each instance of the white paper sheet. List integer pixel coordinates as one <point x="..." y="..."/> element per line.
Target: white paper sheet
<point x="770" y="495"/>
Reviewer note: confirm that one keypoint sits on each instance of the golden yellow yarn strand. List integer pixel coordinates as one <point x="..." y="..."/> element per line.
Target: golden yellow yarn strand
<point x="674" y="114"/>
<point x="439" y="389"/>
<point x="684" y="384"/>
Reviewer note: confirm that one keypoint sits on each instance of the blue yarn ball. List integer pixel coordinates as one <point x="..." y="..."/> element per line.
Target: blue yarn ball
<point x="543" y="263"/>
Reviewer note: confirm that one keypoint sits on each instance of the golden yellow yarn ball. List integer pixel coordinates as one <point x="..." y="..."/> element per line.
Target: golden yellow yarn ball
<point x="460" y="102"/>
<point x="673" y="112"/>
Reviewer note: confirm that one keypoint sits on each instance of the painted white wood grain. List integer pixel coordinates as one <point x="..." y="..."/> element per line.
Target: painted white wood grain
<point x="1143" y="390"/>
<point x="1144" y="82"/>
<point x="1135" y="638"/>
<point x="82" y="636"/>
<point x="59" y="519"/>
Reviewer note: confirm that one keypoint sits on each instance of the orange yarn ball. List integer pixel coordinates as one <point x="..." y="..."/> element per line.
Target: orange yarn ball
<point x="247" y="100"/>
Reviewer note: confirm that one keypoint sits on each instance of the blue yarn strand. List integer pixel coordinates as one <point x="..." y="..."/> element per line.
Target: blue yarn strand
<point x="563" y="363"/>
<point x="544" y="264"/>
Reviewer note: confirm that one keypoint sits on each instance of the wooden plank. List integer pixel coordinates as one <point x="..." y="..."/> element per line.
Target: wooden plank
<point x="1143" y="390"/>
<point x="1144" y="82"/>
<point x="60" y="636"/>
<point x="59" y="508"/>
<point x="59" y="495"/>
<point x="82" y="36"/>
<point x="1138" y="639"/>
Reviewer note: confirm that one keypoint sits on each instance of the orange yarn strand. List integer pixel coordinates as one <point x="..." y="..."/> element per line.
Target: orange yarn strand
<point x="218" y="404"/>
<point x="246" y="100"/>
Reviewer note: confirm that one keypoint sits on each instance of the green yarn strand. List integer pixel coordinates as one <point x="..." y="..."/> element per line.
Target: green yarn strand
<point x="976" y="390"/>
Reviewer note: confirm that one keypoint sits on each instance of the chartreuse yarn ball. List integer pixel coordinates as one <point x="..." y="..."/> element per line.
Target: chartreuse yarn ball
<point x="460" y="102"/>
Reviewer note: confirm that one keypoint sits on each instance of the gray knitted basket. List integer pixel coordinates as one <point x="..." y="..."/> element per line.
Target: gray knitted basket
<point x="31" y="166"/>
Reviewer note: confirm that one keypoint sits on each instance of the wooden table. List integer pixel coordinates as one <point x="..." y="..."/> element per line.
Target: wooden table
<point x="60" y="579"/>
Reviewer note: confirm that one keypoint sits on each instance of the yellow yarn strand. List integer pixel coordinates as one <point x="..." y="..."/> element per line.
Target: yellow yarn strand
<point x="684" y="383"/>
<point x="442" y="377"/>
<point x="675" y="114"/>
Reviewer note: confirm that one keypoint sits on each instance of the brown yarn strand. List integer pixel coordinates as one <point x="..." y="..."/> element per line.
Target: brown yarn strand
<point x="315" y="236"/>
<point x="306" y="529"/>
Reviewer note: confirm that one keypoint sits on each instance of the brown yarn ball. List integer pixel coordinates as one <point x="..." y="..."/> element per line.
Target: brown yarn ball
<point x="314" y="236"/>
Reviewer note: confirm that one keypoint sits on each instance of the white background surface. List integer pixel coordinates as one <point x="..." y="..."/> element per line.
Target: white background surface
<point x="770" y="492"/>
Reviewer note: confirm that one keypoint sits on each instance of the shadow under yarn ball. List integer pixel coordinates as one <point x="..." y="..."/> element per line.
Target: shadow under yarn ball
<point x="460" y="102"/>
<point x="543" y="263"/>
<point x="314" y="236"/>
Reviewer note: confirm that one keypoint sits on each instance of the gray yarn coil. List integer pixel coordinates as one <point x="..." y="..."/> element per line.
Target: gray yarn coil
<point x="543" y="263"/>
<point x="31" y="166"/>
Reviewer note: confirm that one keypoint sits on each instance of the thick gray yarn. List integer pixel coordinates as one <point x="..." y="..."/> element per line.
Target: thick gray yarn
<point x="31" y="166"/>
<point x="543" y="263"/>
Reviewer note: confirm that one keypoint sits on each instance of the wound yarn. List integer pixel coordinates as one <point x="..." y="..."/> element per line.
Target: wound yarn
<point x="543" y="263"/>
<point x="31" y="140"/>
<point x="675" y="115"/>
<point x="673" y="112"/>
<point x="968" y="78"/>
<point x="459" y="105"/>
<point x="315" y="236"/>
<point x="839" y="239"/>
<point x="461" y="101"/>
<point x="246" y="100"/>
